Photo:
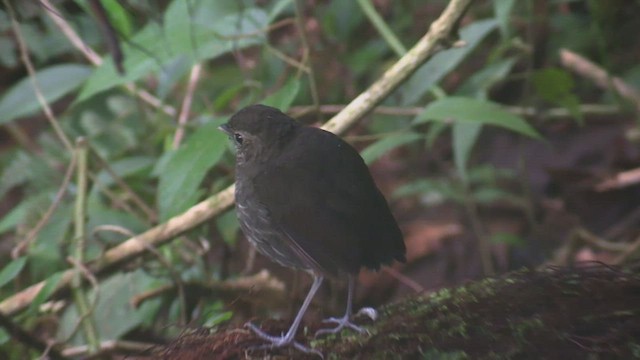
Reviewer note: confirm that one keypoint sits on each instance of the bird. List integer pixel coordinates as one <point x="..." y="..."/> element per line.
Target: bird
<point x="305" y="199"/>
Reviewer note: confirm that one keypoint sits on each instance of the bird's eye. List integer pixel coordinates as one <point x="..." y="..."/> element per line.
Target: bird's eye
<point x="238" y="138"/>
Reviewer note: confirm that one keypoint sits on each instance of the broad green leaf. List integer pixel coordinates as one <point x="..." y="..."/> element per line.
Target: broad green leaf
<point x="54" y="82"/>
<point x="187" y="31"/>
<point x="10" y="220"/>
<point x="283" y="98"/>
<point x="435" y="130"/>
<point x="125" y="167"/>
<point x="556" y="86"/>
<point x="183" y="172"/>
<point x="502" y="10"/>
<point x="444" y="62"/>
<point x="119" y="18"/>
<point x="464" y="137"/>
<point x="50" y="286"/>
<point x="479" y="84"/>
<point x="114" y="313"/>
<point x="372" y="152"/>
<point x="12" y="270"/>
<point x="475" y="111"/>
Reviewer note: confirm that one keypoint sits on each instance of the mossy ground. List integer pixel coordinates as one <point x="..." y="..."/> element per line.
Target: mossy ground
<point x="573" y="313"/>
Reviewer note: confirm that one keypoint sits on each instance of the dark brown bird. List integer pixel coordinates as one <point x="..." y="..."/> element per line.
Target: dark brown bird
<point x="305" y="198"/>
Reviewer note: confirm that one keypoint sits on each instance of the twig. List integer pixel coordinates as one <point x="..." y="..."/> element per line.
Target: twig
<point x="28" y="339"/>
<point x="96" y="60"/>
<point x="586" y="110"/>
<point x="79" y="244"/>
<point x="439" y="33"/>
<point x="24" y="55"/>
<point x="109" y="32"/>
<point x="620" y="180"/>
<point x="306" y="51"/>
<point x="149" y="212"/>
<point x="599" y="76"/>
<point x="107" y="347"/>
<point x="382" y="27"/>
<point x="631" y="250"/>
<point x="186" y="104"/>
<point x="133" y="247"/>
<point x="263" y="282"/>
<point x="57" y="199"/>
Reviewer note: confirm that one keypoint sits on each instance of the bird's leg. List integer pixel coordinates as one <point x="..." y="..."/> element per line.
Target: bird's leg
<point x="344" y="321"/>
<point x="287" y="339"/>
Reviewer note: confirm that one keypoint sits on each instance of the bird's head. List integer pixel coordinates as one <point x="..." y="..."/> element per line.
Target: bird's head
<point x="258" y="131"/>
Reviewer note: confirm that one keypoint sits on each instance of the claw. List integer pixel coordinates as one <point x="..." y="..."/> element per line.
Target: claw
<point x="279" y="341"/>
<point x="341" y="323"/>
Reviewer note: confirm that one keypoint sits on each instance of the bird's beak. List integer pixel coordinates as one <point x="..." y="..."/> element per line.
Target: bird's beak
<point x="225" y="129"/>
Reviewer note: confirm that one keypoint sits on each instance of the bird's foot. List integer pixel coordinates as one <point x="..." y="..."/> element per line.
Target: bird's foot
<point x="279" y="341"/>
<point x="345" y="322"/>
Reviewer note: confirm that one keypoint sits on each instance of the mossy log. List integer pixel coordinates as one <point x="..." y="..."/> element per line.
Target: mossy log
<point x="591" y="311"/>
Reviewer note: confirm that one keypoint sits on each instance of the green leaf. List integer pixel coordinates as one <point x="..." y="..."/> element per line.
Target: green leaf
<point x="479" y="84"/>
<point x="12" y="270"/>
<point x="278" y="7"/>
<point x="489" y="195"/>
<point x="10" y="220"/>
<point x="114" y="313"/>
<point x="50" y="286"/>
<point x="507" y="238"/>
<point x="283" y="98"/>
<point x="444" y="62"/>
<point x="119" y="18"/>
<point x="475" y="111"/>
<point x="228" y="225"/>
<point x="183" y="172"/>
<point x="187" y="32"/>
<point x="372" y="152"/>
<point x="465" y="136"/>
<point x="123" y="168"/>
<point x="431" y="191"/>
<point x="502" y="10"/>
<point x="54" y="82"/>
<point x="556" y="86"/>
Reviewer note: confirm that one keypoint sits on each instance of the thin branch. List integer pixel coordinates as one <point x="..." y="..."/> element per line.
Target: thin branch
<point x="57" y="199"/>
<point x="306" y="50"/>
<point x="96" y="60"/>
<point x="79" y="246"/>
<point x="599" y="76"/>
<point x="186" y="104"/>
<point x="28" y="339"/>
<point x="24" y="55"/>
<point x="133" y="247"/>
<point x="620" y="180"/>
<point x="586" y="110"/>
<point x="149" y="212"/>
<point x="383" y="29"/>
<point x="439" y="33"/>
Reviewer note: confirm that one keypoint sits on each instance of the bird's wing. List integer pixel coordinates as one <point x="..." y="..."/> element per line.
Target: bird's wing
<point x="330" y="208"/>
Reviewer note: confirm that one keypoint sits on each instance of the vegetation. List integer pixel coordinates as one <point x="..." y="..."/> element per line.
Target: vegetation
<point x="509" y="127"/>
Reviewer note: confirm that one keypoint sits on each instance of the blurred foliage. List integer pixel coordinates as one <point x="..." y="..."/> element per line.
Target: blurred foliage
<point x="250" y="52"/>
